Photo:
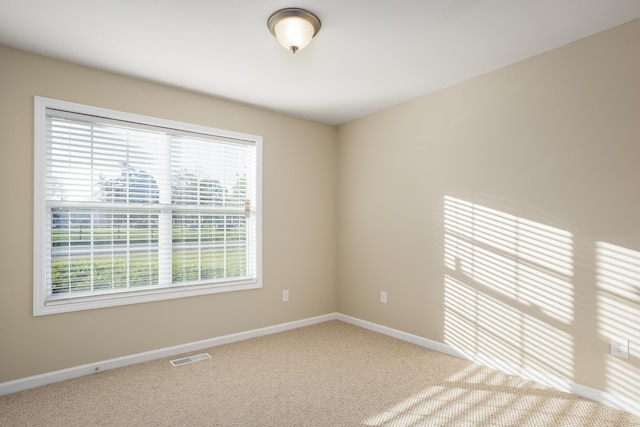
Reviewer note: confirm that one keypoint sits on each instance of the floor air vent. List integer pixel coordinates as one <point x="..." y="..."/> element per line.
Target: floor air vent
<point x="190" y="359"/>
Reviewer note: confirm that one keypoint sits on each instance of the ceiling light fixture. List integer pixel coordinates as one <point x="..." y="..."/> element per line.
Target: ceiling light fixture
<point x="293" y="28"/>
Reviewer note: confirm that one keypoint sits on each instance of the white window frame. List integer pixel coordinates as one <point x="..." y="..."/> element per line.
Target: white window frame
<point x="42" y="305"/>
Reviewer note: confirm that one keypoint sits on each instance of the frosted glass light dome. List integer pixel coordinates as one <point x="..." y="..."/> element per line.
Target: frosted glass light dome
<point x="294" y="28"/>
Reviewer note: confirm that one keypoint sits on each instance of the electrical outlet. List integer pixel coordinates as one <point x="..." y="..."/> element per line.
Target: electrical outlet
<point x="285" y="296"/>
<point x="383" y="297"/>
<point x="620" y="347"/>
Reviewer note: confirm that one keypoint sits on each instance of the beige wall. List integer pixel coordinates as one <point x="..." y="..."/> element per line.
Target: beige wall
<point x="299" y="224"/>
<point x="539" y="165"/>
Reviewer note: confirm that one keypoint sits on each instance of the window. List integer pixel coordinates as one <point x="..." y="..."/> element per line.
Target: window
<point x="133" y="209"/>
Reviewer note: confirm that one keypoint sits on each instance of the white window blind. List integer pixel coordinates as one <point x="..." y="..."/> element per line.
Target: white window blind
<point x="133" y="209"/>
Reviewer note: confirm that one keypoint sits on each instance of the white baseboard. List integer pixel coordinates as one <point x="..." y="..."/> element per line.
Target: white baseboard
<point x="544" y="378"/>
<point x="78" y="371"/>
<point x="539" y="377"/>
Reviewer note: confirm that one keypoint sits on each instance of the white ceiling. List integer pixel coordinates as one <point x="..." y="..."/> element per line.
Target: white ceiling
<point x="368" y="55"/>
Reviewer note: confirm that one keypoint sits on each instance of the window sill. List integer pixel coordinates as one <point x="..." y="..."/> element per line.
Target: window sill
<point x="66" y="305"/>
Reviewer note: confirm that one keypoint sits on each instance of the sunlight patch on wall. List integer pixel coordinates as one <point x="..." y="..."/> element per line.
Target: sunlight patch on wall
<point x="508" y="289"/>
<point x="487" y="326"/>
<point x="618" y="307"/>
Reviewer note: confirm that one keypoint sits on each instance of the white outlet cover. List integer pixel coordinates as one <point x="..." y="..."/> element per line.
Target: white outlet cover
<point x="620" y="347"/>
<point x="383" y="297"/>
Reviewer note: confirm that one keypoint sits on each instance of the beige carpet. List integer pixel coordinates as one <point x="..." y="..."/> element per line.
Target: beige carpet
<point x="331" y="374"/>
